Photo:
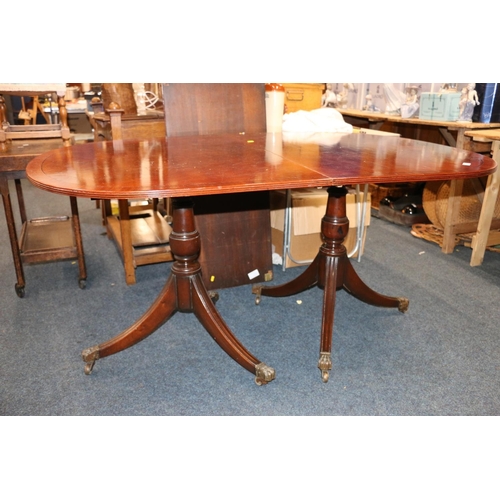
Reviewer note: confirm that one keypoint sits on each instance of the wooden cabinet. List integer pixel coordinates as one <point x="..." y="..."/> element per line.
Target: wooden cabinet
<point x="305" y="96"/>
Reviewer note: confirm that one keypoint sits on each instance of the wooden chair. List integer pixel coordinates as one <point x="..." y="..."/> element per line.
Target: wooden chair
<point x="9" y="132"/>
<point x="235" y="229"/>
<point x="114" y="123"/>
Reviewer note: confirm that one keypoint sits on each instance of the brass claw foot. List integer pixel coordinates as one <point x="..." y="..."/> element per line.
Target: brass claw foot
<point x="325" y="364"/>
<point x="403" y="304"/>
<point x="90" y="356"/>
<point x="256" y="289"/>
<point x="264" y="374"/>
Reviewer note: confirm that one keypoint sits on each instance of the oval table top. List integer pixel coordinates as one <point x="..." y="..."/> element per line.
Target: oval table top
<point x="232" y="163"/>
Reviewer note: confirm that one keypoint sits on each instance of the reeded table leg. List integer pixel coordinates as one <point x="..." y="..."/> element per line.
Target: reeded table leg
<point x="184" y="291"/>
<point x="331" y="270"/>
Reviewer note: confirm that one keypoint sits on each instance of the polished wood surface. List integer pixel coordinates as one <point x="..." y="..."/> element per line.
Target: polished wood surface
<point x="201" y="165"/>
<point x="183" y="167"/>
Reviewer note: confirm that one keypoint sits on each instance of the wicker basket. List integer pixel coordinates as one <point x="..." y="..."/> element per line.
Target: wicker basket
<point x="435" y="203"/>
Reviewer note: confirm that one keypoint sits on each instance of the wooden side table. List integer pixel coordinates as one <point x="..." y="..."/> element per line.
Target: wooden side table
<point x="43" y="239"/>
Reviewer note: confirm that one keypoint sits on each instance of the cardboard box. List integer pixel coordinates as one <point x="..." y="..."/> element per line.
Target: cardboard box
<point x="308" y="207"/>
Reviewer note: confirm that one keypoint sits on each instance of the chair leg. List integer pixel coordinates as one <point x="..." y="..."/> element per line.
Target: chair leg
<point x="127" y="247"/>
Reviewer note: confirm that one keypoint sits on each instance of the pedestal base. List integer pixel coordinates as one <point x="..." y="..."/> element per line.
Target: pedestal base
<point x="331" y="270"/>
<point x="184" y="291"/>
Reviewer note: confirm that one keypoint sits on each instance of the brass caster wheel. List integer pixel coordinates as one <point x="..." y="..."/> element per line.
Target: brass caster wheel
<point x="325" y="376"/>
<point x="214" y="296"/>
<point x="256" y="290"/>
<point x="82" y="284"/>
<point x="19" y="291"/>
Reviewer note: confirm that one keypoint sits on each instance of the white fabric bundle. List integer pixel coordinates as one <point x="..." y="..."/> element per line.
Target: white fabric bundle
<point x="317" y="120"/>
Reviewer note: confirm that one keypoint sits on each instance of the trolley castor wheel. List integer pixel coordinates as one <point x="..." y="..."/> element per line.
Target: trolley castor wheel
<point x="19" y="290"/>
<point x="325" y="365"/>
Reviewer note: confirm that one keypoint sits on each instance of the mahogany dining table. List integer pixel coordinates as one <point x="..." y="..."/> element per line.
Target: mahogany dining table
<point x="186" y="166"/>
